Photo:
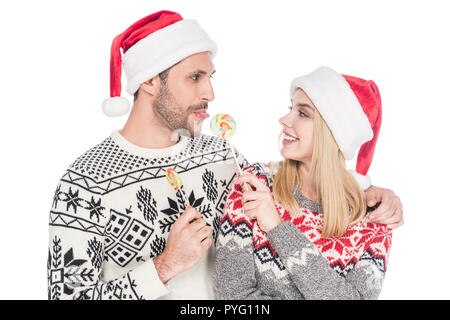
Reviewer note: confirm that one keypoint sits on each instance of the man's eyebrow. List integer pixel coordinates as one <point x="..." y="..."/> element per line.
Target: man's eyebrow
<point x="203" y="72"/>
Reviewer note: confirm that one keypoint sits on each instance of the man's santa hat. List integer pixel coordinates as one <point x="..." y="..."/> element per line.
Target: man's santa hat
<point x="351" y="107"/>
<point x="150" y="46"/>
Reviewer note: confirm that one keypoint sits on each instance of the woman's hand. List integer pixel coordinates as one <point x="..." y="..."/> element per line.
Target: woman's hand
<point x="259" y="204"/>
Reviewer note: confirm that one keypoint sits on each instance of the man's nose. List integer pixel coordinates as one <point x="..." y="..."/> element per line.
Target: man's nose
<point x="207" y="94"/>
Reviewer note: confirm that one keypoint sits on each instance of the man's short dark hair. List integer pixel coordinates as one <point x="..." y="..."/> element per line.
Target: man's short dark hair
<point x="163" y="76"/>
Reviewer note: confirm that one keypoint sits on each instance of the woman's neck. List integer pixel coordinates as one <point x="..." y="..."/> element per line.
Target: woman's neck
<point x="308" y="186"/>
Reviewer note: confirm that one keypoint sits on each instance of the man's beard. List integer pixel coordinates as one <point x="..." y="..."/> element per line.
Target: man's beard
<point x="175" y="117"/>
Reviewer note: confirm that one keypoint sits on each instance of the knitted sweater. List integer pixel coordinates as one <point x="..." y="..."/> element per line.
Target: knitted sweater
<point x="114" y="208"/>
<point x="292" y="261"/>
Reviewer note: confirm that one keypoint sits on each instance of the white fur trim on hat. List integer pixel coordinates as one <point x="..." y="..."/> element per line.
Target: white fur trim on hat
<point x="115" y="106"/>
<point x="339" y="107"/>
<point x="364" y="181"/>
<point x="162" y="49"/>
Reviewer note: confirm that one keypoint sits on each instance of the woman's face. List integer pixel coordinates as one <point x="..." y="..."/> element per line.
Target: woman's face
<point x="297" y="136"/>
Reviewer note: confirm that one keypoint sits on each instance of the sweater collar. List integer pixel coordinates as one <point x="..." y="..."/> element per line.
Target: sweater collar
<point x="148" y="152"/>
<point x="306" y="203"/>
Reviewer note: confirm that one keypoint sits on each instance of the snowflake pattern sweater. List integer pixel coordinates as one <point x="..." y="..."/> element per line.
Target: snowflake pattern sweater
<point x="113" y="210"/>
<point x="292" y="261"/>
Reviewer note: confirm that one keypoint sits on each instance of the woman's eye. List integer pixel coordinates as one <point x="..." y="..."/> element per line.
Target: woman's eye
<point x="302" y="114"/>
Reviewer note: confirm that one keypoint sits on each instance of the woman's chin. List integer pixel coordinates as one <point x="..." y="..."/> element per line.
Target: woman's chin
<point x="287" y="155"/>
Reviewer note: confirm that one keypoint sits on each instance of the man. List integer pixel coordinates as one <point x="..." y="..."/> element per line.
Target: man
<point x="118" y="230"/>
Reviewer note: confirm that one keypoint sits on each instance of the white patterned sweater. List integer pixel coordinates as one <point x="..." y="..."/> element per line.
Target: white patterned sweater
<point x="114" y="208"/>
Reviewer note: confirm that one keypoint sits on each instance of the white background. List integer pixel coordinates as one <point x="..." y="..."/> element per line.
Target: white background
<point x="55" y="74"/>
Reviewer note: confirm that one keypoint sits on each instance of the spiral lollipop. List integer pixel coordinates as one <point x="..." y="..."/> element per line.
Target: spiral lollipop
<point x="223" y="125"/>
<point x="175" y="181"/>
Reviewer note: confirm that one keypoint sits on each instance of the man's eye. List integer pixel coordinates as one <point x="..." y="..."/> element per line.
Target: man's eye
<point x="290" y="107"/>
<point x="195" y="77"/>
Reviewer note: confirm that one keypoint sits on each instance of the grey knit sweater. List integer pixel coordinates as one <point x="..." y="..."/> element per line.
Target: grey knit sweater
<point x="292" y="261"/>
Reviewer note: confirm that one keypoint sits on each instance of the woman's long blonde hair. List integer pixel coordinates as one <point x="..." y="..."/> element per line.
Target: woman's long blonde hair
<point x="343" y="202"/>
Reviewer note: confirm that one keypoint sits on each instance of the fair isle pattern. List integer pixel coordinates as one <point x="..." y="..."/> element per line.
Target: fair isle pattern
<point x="113" y="210"/>
<point x="344" y="252"/>
<point x="363" y="239"/>
<point x="107" y="167"/>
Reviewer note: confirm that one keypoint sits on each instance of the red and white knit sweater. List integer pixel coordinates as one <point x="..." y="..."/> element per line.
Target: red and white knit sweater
<point x="292" y="261"/>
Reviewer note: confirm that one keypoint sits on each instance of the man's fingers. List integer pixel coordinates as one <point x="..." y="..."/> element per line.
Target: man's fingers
<point x="396" y="225"/>
<point x="372" y="202"/>
<point x="383" y="209"/>
<point x="396" y="220"/>
<point x="372" y="196"/>
<point x="387" y="220"/>
<point x="198" y="224"/>
<point x="188" y="215"/>
<point x="387" y="209"/>
<point x="206" y="243"/>
<point x="203" y="233"/>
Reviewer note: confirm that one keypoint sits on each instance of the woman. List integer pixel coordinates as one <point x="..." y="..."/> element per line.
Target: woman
<point x="296" y="229"/>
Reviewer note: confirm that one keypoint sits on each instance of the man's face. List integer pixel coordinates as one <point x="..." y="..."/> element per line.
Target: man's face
<point x="183" y="97"/>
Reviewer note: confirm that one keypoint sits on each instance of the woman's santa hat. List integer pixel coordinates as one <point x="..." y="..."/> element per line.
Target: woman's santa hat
<point x="351" y="108"/>
<point x="150" y="46"/>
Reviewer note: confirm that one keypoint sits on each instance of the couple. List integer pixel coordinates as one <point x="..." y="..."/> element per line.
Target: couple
<point x="118" y="230"/>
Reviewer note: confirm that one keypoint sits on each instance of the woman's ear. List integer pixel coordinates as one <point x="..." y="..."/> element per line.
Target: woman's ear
<point x="151" y="86"/>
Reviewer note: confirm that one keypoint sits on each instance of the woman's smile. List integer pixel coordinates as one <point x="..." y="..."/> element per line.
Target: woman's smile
<point x="288" y="139"/>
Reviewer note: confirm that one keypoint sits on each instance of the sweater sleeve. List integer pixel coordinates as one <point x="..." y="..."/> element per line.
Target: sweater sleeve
<point x="234" y="269"/>
<point x="311" y="271"/>
<point x="77" y="223"/>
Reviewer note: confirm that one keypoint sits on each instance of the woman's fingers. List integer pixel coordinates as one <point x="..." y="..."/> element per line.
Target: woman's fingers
<point x="250" y="206"/>
<point x="251" y="214"/>
<point x="253" y="181"/>
<point x="252" y="195"/>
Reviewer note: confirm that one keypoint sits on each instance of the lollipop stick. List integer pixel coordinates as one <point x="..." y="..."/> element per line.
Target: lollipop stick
<point x="186" y="202"/>
<point x="175" y="181"/>
<point x="235" y="159"/>
<point x="246" y="187"/>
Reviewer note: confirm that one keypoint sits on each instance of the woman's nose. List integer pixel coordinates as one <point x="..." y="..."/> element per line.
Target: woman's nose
<point x="284" y="121"/>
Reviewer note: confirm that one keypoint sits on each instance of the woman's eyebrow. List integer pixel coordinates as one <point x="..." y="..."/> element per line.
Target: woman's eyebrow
<point x="305" y="105"/>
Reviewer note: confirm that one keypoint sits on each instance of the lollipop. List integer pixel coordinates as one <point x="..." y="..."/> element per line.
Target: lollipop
<point x="224" y="126"/>
<point x="175" y="181"/>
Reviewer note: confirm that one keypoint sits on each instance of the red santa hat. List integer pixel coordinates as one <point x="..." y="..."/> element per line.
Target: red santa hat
<point x="150" y="46"/>
<point x="351" y="108"/>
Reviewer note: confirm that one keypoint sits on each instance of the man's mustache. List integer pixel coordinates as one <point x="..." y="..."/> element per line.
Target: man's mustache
<point x="200" y="106"/>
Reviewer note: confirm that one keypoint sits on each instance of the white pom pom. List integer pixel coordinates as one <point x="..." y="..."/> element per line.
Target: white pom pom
<point x="363" y="181"/>
<point x="116" y="106"/>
